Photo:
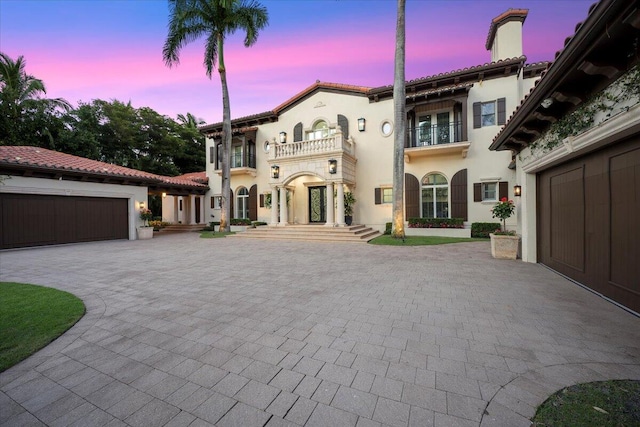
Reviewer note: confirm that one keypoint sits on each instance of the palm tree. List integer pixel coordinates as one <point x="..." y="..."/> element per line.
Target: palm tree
<point x="190" y="121"/>
<point x="22" y="98"/>
<point x="214" y="20"/>
<point x="400" y="117"/>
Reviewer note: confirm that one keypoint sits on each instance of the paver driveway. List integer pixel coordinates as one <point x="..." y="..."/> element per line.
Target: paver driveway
<point x="233" y="332"/>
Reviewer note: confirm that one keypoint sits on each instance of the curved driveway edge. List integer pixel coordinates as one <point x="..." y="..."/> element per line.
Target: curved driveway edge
<point x="187" y="331"/>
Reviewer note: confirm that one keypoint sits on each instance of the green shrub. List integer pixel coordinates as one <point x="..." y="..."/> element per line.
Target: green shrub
<point x="240" y="221"/>
<point x="258" y="223"/>
<point x="482" y="229"/>
<point x="387" y="228"/>
<point x="436" y="223"/>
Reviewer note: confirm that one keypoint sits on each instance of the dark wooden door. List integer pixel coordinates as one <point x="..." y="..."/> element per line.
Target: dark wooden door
<point x="317" y="204"/>
<point x="588" y="226"/>
<point x="197" y="207"/>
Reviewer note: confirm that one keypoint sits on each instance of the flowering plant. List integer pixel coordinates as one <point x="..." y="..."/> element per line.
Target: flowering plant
<point x="503" y="210"/>
<point x="146" y="215"/>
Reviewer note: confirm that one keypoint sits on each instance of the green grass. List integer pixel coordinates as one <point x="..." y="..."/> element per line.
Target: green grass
<point x="597" y="404"/>
<point x="212" y="235"/>
<point x="420" y="240"/>
<point x="31" y="317"/>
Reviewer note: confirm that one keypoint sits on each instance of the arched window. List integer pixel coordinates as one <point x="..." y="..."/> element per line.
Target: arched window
<point x="242" y="203"/>
<point x="320" y="130"/>
<point x="435" y="196"/>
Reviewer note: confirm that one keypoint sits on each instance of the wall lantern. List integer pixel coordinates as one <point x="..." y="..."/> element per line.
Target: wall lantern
<point x="283" y="137"/>
<point x="141" y="205"/>
<point x="361" y="124"/>
<point x="333" y="166"/>
<point x="517" y="190"/>
<point x="275" y="171"/>
<point x="164" y="195"/>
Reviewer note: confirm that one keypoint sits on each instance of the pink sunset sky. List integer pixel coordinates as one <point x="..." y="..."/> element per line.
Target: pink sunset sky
<point x="85" y="49"/>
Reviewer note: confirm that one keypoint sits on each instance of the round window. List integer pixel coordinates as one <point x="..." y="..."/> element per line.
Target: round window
<point x="386" y="128"/>
<point x="266" y="146"/>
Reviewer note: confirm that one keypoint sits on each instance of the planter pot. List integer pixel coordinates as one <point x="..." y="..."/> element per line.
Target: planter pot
<point x="348" y="219"/>
<point x="145" y="233"/>
<point x="504" y="247"/>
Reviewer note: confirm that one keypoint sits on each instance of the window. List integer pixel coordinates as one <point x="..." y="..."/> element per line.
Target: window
<point x="489" y="191"/>
<point x="242" y="205"/>
<point x="219" y="156"/>
<point x="386" y="128"/>
<point x="488" y="113"/>
<point x="387" y="195"/>
<point x="216" y="202"/>
<point x="236" y="156"/>
<point x="435" y="196"/>
<point x="212" y="154"/>
<point x="320" y="130"/>
<point x="266" y="146"/>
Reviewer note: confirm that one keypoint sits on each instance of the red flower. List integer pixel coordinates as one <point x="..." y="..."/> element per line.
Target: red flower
<point x="504" y="199"/>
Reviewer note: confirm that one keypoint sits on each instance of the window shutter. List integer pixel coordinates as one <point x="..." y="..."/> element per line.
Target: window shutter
<point x="459" y="195"/>
<point x="253" y="203"/>
<point x="297" y="132"/>
<point x="262" y="200"/>
<point x="412" y="196"/>
<point x="343" y="122"/>
<point x="212" y="154"/>
<point x="213" y="202"/>
<point x="477" y="115"/>
<point x="502" y="111"/>
<point x="231" y="211"/>
<point x="503" y="189"/>
<point x="477" y="192"/>
<point x="377" y="195"/>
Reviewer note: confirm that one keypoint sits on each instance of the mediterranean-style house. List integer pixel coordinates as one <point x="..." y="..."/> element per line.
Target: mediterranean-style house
<point x="293" y="164"/>
<point x="577" y="139"/>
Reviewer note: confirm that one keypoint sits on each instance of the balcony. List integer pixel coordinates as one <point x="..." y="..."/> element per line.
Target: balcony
<point x="240" y="165"/>
<point x="333" y="144"/>
<point x="434" y="140"/>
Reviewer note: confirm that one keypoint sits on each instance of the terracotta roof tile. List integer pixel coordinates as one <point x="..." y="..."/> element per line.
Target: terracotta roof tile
<point x="322" y="85"/>
<point x="199" y="177"/>
<point x="511" y="14"/>
<point x="443" y="89"/>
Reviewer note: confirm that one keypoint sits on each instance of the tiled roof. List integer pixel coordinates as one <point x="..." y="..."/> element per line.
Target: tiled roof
<point x="440" y="90"/>
<point x="322" y="85"/>
<point x="243" y="129"/>
<point x="41" y="158"/>
<point x="200" y="177"/>
<point x="509" y="15"/>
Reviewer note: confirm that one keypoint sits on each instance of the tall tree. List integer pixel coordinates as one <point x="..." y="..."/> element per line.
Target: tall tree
<point x="26" y="116"/>
<point x="192" y="156"/>
<point x="214" y="20"/>
<point x="400" y="117"/>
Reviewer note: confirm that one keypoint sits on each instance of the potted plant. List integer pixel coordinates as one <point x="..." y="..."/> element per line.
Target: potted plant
<point x="145" y="231"/>
<point x="504" y="244"/>
<point x="349" y="201"/>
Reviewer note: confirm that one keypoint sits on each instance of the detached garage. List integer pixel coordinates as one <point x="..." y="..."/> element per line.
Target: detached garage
<point x="576" y="142"/>
<point x="49" y="198"/>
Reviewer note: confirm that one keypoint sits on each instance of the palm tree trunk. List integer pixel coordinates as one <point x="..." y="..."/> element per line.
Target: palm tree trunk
<point x="225" y="205"/>
<point x="400" y="118"/>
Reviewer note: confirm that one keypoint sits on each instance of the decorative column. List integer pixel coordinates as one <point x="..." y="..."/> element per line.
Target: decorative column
<point x="340" y="202"/>
<point x="330" y="218"/>
<point x="192" y="209"/>
<point x="284" y="215"/>
<point x="274" y="206"/>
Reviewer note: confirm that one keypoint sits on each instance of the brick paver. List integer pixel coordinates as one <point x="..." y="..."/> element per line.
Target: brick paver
<point x="187" y="331"/>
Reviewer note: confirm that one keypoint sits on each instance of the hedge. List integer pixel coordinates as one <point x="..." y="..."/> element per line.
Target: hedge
<point x="482" y="229"/>
<point x="436" y="223"/>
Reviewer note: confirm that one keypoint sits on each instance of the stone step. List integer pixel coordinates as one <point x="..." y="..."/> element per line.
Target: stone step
<point x="354" y="233"/>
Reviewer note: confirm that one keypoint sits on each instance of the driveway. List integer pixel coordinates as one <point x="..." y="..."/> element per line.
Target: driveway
<point x="236" y="332"/>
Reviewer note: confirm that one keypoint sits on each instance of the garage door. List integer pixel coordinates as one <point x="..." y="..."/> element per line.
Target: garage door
<point x="589" y="221"/>
<point x="34" y="220"/>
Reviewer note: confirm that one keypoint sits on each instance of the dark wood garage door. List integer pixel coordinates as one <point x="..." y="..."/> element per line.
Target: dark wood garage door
<point x="34" y="220"/>
<point x="588" y="221"/>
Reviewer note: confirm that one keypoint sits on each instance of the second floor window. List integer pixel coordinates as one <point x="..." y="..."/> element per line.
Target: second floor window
<point x="320" y="130"/>
<point x="488" y="113"/>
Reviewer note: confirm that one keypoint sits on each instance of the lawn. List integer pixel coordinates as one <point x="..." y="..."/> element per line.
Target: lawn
<point x="31" y="317"/>
<point x="596" y="404"/>
<point x="421" y="240"/>
<point x="212" y="235"/>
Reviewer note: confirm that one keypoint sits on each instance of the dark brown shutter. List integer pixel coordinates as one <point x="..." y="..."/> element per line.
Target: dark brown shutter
<point x="231" y="214"/>
<point x="262" y="200"/>
<point x="297" y="132"/>
<point x="212" y="154"/>
<point x="477" y="115"/>
<point x="253" y="203"/>
<point x="343" y="122"/>
<point x="412" y="196"/>
<point x="213" y="203"/>
<point x="502" y="111"/>
<point x="459" y="195"/>
<point x="477" y="192"/>
<point x="377" y="195"/>
<point x="504" y="189"/>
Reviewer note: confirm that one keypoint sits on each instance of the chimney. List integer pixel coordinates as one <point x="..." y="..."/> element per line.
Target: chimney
<point x="505" y="34"/>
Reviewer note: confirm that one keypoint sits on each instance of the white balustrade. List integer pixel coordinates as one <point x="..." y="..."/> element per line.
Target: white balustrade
<point x="312" y="147"/>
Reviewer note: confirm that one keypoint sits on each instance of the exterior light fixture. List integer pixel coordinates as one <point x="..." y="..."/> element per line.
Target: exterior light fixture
<point x="283" y="137"/>
<point x="517" y="190"/>
<point x="546" y="103"/>
<point x="361" y="124"/>
<point x="141" y="205"/>
<point x="164" y="195"/>
<point x="275" y="171"/>
<point x="333" y="166"/>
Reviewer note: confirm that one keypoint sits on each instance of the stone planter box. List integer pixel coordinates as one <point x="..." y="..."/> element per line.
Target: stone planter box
<point x="504" y="247"/>
<point x="145" y="233"/>
<point x="444" y="232"/>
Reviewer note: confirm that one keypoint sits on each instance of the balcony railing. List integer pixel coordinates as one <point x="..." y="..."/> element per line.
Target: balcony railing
<point x="331" y="144"/>
<point x="240" y="161"/>
<point x="429" y="135"/>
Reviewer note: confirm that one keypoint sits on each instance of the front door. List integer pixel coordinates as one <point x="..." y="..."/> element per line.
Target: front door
<point x="317" y="204"/>
<point x="197" y="200"/>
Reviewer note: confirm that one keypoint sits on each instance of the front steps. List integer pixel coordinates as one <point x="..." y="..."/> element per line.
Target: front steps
<point x="181" y="228"/>
<point x="352" y="233"/>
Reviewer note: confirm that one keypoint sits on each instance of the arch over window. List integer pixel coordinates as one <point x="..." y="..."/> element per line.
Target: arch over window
<point x="320" y="130"/>
<point x="435" y="196"/>
<point x="242" y="203"/>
